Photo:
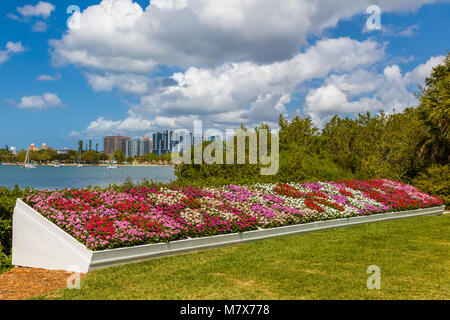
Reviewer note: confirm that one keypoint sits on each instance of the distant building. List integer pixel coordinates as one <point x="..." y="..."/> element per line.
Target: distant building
<point x="44" y="146"/>
<point x="33" y="147"/>
<point x="13" y="150"/>
<point x="112" y="144"/>
<point x="138" y="147"/>
<point x="181" y="141"/>
<point x="170" y="141"/>
<point x="162" y="142"/>
<point x="150" y="144"/>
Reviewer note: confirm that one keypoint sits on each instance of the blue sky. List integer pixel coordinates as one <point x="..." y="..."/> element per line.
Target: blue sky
<point x="134" y="69"/>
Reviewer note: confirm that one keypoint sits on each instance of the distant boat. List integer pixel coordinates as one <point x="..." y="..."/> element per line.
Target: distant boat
<point x="79" y="165"/>
<point x="27" y="164"/>
<point x="113" y="164"/>
<point x="56" y="164"/>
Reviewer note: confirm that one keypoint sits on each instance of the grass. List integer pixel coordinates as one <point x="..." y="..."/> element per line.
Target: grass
<point x="413" y="254"/>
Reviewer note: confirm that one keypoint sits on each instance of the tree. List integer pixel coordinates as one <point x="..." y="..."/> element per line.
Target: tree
<point x="434" y="114"/>
<point x="90" y="157"/>
<point x="119" y="156"/>
<point x="103" y="156"/>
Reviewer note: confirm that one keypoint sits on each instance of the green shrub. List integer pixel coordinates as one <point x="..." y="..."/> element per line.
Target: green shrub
<point x="6" y="236"/>
<point x="8" y="198"/>
<point x="435" y="181"/>
<point x="5" y="263"/>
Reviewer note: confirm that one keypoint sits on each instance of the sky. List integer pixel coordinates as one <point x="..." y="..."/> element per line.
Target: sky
<point x="80" y="70"/>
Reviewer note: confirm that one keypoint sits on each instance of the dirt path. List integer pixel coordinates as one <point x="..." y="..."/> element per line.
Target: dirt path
<point x="23" y="283"/>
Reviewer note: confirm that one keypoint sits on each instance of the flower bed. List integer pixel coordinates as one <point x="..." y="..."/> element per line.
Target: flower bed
<point x="106" y="219"/>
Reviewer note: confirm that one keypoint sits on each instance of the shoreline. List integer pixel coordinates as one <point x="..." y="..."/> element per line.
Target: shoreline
<point x="89" y="165"/>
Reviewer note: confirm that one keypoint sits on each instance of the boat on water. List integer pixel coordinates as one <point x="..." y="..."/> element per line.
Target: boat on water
<point x="112" y="164"/>
<point x="27" y="163"/>
<point x="80" y="164"/>
<point x="56" y="164"/>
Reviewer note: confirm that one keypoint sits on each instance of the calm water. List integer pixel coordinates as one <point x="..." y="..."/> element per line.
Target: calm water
<point x="47" y="177"/>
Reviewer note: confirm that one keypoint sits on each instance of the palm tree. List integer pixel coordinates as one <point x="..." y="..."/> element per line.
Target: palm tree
<point x="434" y="114"/>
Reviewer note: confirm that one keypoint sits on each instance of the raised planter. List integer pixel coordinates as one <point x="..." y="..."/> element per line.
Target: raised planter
<point x="39" y="243"/>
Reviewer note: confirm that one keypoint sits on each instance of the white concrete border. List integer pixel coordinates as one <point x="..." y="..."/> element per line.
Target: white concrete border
<point x="39" y="243"/>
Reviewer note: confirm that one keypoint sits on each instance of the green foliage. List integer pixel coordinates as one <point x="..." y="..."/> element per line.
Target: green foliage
<point x="119" y="156"/>
<point x="154" y="158"/>
<point x="434" y="114"/>
<point x="5" y="262"/>
<point x="382" y="146"/>
<point x="8" y="198"/>
<point x="396" y="146"/>
<point x="436" y="181"/>
<point x="90" y="157"/>
<point x="6" y="156"/>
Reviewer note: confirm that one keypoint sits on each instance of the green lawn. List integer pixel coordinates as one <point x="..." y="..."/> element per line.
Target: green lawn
<point x="413" y="254"/>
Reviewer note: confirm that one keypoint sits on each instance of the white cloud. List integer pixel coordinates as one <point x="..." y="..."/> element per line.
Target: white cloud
<point x="240" y="60"/>
<point x="236" y="86"/>
<point x="15" y="47"/>
<point x="46" y="77"/>
<point x="40" y="102"/>
<point x="325" y="99"/>
<point x="42" y="9"/>
<point x="364" y="90"/>
<point x="128" y="83"/>
<point x="237" y="93"/>
<point x="40" y="26"/>
<point x="74" y="134"/>
<point x="409" y="32"/>
<point x="119" y="35"/>
<point x="137" y="124"/>
<point x="11" y="49"/>
<point x="418" y="75"/>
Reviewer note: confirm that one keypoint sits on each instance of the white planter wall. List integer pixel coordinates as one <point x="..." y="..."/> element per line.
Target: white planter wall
<point x="39" y="243"/>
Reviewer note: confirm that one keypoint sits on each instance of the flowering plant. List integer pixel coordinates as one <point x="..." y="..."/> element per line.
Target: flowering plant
<point x="106" y="218"/>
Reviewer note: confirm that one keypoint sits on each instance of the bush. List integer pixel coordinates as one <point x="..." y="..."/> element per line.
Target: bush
<point x="8" y="198"/>
<point x="5" y="262"/>
<point x="5" y="236"/>
<point x="435" y="181"/>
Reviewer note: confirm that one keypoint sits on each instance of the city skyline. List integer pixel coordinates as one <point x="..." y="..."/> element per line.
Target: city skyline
<point x="57" y="87"/>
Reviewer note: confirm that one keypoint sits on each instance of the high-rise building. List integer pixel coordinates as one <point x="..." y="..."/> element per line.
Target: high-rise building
<point x="44" y="146"/>
<point x="170" y="141"/>
<point x="138" y="147"/>
<point x="162" y="142"/>
<point x="13" y="150"/>
<point x="148" y="145"/>
<point x="181" y="141"/>
<point x="112" y="144"/>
